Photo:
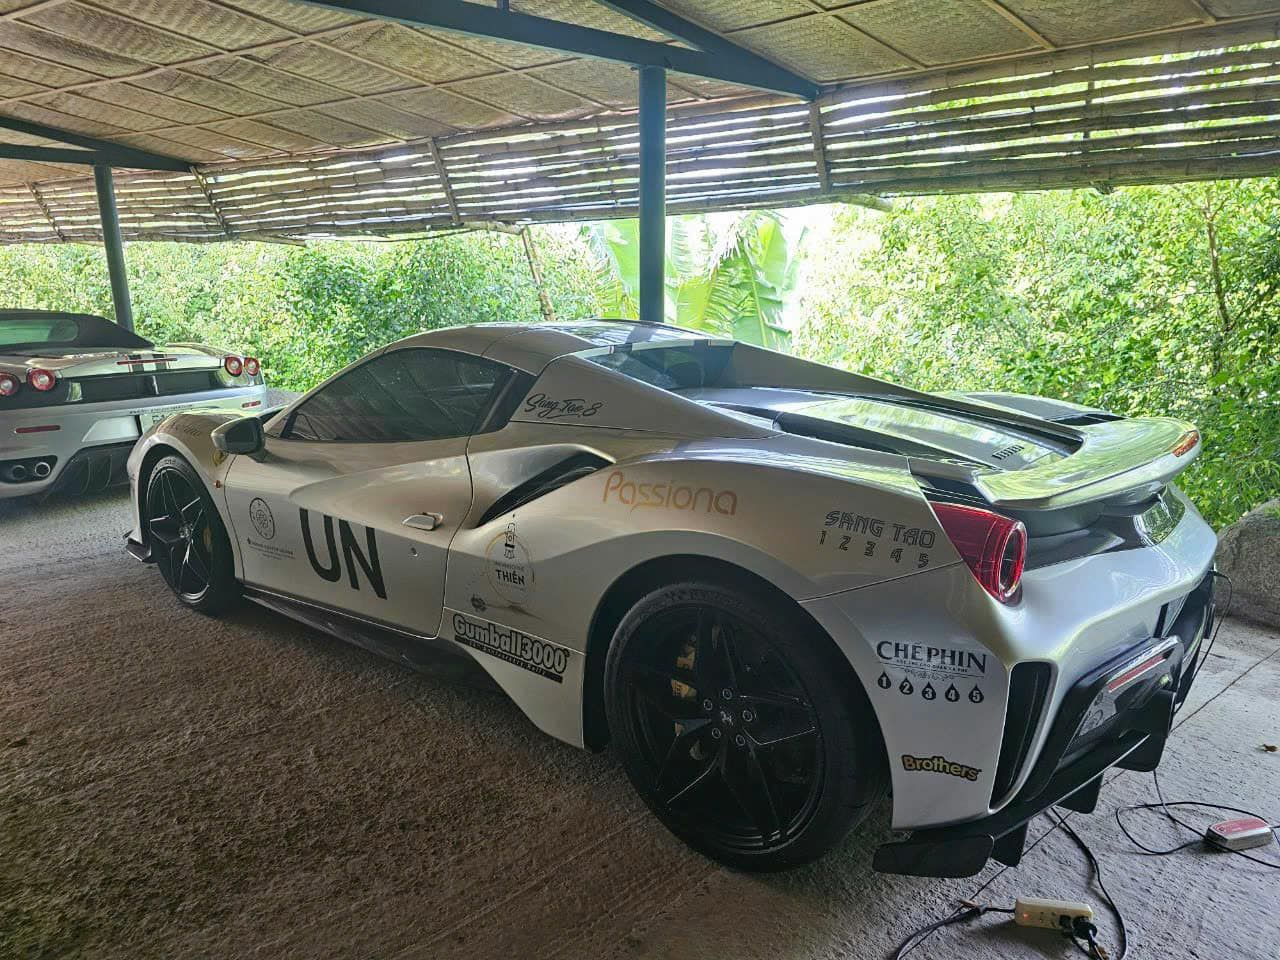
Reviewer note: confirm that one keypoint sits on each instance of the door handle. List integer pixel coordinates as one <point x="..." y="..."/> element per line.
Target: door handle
<point x="423" y="521"/>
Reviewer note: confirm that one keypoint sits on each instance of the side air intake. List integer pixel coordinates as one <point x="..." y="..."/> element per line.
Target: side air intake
<point x="1028" y="690"/>
<point x="571" y="468"/>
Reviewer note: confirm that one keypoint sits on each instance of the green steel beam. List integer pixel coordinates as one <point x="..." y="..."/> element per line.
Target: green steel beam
<point x="114" y="154"/>
<point x="653" y="194"/>
<point x="114" y="245"/>
<point x="20" y="151"/>
<point x="678" y="28"/>
<point x="729" y="63"/>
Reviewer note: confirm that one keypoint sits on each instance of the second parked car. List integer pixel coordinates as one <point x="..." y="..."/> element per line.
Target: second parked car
<point x="77" y="391"/>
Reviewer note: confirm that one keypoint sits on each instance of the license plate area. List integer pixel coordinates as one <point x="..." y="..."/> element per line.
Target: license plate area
<point x="149" y="418"/>
<point x="1127" y="687"/>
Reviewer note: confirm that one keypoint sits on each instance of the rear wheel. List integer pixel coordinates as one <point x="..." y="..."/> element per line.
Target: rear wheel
<point x="188" y="539"/>
<point x="739" y="728"/>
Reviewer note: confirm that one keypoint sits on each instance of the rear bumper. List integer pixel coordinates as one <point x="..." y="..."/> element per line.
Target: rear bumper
<point x="92" y="469"/>
<point x="78" y="443"/>
<point x="1084" y="741"/>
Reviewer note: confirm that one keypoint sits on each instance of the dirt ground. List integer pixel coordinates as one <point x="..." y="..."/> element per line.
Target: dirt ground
<point x="173" y="786"/>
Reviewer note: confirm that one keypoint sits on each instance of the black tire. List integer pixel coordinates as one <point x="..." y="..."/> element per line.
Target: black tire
<point x="188" y="540"/>
<point x="788" y="756"/>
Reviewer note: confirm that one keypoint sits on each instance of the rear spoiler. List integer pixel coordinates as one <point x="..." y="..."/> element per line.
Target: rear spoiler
<point x="1125" y="460"/>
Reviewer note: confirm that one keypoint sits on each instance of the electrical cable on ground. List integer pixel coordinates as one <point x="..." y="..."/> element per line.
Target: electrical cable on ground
<point x="1163" y="806"/>
<point x="966" y="912"/>
<point x="1093" y="950"/>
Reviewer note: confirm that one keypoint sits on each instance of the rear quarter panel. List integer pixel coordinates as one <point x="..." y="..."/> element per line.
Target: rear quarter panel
<point x="811" y="527"/>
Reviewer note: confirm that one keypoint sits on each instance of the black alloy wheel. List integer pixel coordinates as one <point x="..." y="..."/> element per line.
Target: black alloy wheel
<point x="187" y="538"/>
<point x="720" y="727"/>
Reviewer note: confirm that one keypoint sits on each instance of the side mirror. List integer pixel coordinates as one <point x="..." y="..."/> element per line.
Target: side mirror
<point x="240" y="436"/>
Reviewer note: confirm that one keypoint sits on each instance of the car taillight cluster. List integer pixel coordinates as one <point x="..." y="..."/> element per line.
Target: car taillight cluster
<point x="37" y="379"/>
<point x="249" y="366"/>
<point x="994" y="547"/>
<point x="40" y="379"/>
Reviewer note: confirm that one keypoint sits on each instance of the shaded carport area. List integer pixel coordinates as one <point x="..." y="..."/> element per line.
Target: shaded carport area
<point x="176" y="786"/>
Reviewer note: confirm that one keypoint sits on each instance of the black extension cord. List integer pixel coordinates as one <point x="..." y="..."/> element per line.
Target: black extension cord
<point x="1081" y="932"/>
<point x="966" y="912"/>
<point x="1087" y="931"/>
<point x="1163" y="806"/>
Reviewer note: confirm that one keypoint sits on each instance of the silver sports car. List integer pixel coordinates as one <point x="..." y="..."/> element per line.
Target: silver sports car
<point x="780" y="589"/>
<point x="76" y="392"/>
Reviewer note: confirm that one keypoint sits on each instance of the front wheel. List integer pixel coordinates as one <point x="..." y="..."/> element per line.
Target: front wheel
<point x="739" y="727"/>
<point x="188" y="539"/>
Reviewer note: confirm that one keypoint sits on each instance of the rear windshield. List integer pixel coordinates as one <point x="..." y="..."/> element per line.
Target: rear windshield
<point x="684" y="367"/>
<point x="33" y="330"/>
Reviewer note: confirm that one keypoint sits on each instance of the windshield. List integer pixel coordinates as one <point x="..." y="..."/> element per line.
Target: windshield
<point x="35" y="329"/>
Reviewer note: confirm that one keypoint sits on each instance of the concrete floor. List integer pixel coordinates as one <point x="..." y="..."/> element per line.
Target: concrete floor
<point x="173" y="786"/>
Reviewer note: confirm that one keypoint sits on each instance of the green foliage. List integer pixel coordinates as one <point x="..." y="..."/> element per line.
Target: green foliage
<point x="1158" y="300"/>
<point x="308" y="311"/>
<point x="731" y="280"/>
<point x="1147" y="301"/>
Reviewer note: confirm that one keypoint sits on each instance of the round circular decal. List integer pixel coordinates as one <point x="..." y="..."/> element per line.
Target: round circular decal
<point x="261" y="518"/>
<point x="508" y="567"/>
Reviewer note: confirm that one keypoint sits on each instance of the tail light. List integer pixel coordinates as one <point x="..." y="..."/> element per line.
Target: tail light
<point x="233" y="365"/>
<point x="251" y="366"/>
<point x="41" y="379"/>
<point x="1186" y="443"/>
<point x="9" y="384"/>
<point x="994" y="547"/>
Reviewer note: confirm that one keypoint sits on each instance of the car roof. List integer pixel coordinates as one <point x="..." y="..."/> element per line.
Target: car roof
<point x="91" y="332"/>
<point x="25" y="314"/>
<point x="531" y="346"/>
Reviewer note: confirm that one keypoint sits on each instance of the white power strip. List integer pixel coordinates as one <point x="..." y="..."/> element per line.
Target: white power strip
<point x="1051" y="914"/>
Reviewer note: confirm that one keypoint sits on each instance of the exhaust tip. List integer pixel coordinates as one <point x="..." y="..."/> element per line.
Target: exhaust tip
<point x="41" y="469"/>
<point x="17" y="473"/>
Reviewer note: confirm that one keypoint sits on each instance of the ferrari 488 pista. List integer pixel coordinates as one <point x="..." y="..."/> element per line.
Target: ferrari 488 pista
<point x="780" y="589"/>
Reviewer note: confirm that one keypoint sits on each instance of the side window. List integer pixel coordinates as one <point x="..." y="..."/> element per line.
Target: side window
<point x="402" y="395"/>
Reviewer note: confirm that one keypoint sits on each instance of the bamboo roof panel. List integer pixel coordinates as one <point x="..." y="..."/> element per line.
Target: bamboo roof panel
<point x="303" y="121"/>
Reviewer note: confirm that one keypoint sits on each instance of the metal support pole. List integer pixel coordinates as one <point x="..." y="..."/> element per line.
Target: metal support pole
<point x="114" y="246"/>
<point x="653" y="193"/>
